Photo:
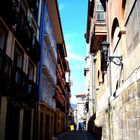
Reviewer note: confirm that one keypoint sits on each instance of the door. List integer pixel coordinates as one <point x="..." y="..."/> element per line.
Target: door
<point x="27" y="125"/>
<point x="12" y="122"/>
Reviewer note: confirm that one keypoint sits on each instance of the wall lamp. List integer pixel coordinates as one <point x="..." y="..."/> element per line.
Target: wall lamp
<point x="115" y="59"/>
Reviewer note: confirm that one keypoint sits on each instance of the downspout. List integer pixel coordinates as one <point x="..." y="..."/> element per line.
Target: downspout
<point x="94" y="85"/>
<point x="93" y="82"/>
<point x="39" y="73"/>
<point x="41" y="40"/>
<point x="109" y="71"/>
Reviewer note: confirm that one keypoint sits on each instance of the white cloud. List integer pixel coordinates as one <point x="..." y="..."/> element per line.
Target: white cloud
<point x="69" y="48"/>
<point x="68" y="36"/>
<point x="77" y="67"/>
<point x="73" y="56"/>
<point x="76" y="57"/>
<point x="61" y="6"/>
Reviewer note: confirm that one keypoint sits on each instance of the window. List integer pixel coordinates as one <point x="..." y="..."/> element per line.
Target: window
<point x="31" y="75"/>
<point x="83" y="98"/>
<point x="18" y="56"/>
<point x="2" y="36"/>
<point x="48" y="88"/>
<point x="18" y="63"/>
<point x="45" y="50"/>
<point x="46" y="83"/>
<point x="100" y="12"/>
<point x="31" y="71"/>
<point x="43" y="82"/>
<point x="53" y="68"/>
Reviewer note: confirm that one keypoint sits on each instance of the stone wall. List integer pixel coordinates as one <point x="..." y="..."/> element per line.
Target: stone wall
<point x="124" y="116"/>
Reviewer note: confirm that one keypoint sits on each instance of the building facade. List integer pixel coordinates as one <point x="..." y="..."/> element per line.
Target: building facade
<point x="47" y="74"/>
<point x="80" y="111"/>
<point x="52" y="103"/>
<point x="116" y="81"/>
<point x="19" y="57"/>
<point x="62" y="91"/>
<point x="30" y="40"/>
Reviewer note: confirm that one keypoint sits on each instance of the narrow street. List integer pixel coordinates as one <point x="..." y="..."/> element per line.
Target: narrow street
<point x="77" y="135"/>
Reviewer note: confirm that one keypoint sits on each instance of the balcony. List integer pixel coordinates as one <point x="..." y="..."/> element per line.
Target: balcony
<point x="33" y="6"/>
<point x="8" y="10"/>
<point x="5" y="72"/>
<point x="99" y="30"/>
<point x="60" y="82"/>
<point x="60" y="103"/>
<point x="59" y="89"/>
<point x="85" y="71"/>
<point x="48" y="99"/>
<point x="24" y="33"/>
<point x="34" y="51"/>
<point x="50" y="40"/>
<point x="59" y="70"/>
<point x="47" y="38"/>
<point x="53" y="52"/>
<point x="19" y="82"/>
<point x="32" y="89"/>
<point x="22" y="87"/>
<point x="53" y="77"/>
<point x="45" y="65"/>
<point x="68" y="87"/>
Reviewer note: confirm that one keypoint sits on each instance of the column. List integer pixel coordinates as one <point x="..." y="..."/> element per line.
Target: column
<point x="21" y="116"/>
<point x="32" y="123"/>
<point x="3" y="111"/>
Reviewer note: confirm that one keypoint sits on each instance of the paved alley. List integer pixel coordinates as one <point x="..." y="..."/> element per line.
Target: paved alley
<point x="78" y="135"/>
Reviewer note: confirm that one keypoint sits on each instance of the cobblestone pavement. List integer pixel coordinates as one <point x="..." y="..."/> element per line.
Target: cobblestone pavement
<point x="77" y="135"/>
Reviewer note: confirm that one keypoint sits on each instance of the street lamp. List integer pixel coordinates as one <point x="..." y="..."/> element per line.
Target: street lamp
<point x="115" y="59"/>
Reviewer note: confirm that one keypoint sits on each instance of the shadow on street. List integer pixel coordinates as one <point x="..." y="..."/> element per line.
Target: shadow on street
<point x="77" y="135"/>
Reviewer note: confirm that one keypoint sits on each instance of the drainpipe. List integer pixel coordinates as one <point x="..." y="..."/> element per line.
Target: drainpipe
<point x="109" y="72"/>
<point x="39" y="73"/>
<point x="93" y="82"/>
<point x="94" y="85"/>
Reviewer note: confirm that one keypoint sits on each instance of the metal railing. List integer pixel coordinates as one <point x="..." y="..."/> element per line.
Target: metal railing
<point x="48" y="99"/>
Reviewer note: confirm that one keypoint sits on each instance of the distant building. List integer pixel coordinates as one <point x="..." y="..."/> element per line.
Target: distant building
<point x="80" y="111"/>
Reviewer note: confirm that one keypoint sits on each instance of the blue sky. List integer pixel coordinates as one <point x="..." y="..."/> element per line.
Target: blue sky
<point x="73" y="14"/>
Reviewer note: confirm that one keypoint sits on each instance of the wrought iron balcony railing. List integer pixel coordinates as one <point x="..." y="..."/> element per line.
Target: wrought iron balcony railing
<point x="24" y="33"/>
<point x="32" y="89"/>
<point x="22" y="87"/>
<point x="5" y="72"/>
<point x="9" y="11"/>
<point x="33" y="5"/>
<point x="48" y="99"/>
<point x="34" y="51"/>
<point x="19" y="81"/>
